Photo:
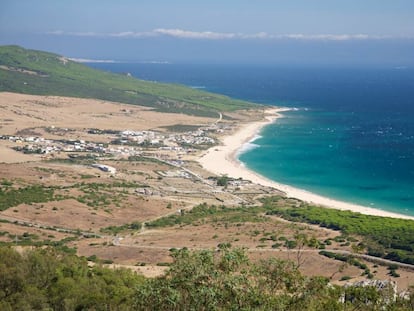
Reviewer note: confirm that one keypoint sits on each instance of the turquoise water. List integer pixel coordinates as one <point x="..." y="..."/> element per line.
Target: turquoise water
<point x="351" y="138"/>
<point x="311" y="150"/>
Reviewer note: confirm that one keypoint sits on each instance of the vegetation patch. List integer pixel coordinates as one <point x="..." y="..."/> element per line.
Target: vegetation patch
<point x="114" y="230"/>
<point x="104" y="194"/>
<point x="182" y="128"/>
<point x="385" y="237"/>
<point x="211" y="213"/>
<point x="348" y="259"/>
<point x="27" y="239"/>
<point x="47" y="279"/>
<point x="228" y="280"/>
<point x="32" y="194"/>
<point x="147" y="159"/>
<point x="87" y="159"/>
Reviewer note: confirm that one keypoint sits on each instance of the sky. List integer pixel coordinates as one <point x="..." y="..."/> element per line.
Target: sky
<point x="351" y="32"/>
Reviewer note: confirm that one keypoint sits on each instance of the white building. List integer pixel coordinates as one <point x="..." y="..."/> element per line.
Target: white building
<point x="105" y="168"/>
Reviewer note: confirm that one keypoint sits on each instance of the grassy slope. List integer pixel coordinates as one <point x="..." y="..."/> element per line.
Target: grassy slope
<point x="390" y="238"/>
<point x="67" y="78"/>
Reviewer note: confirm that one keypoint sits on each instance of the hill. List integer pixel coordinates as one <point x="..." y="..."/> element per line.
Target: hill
<point x="42" y="73"/>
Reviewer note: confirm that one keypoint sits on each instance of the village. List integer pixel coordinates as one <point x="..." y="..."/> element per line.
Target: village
<point x="123" y="143"/>
<point x="176" y="150"/>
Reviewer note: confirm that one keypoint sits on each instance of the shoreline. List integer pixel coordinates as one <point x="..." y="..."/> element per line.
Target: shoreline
<point x="222" y="160"/>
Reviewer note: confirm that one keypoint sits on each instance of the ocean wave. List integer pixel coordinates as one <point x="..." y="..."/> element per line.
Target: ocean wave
<point x="247" y="147"/>
<point x="256" y="137"/>
<point x="299" y="109"/>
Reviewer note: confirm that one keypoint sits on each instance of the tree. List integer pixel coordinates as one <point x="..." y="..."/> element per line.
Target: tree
<point x="43" y="279"/>
<point x="223" y="181"/>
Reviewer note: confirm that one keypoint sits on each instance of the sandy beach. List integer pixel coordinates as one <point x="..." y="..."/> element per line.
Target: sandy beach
<point x="223" y="160"/>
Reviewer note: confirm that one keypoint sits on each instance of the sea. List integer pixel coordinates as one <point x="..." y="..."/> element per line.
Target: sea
<point x="349" y="133"/>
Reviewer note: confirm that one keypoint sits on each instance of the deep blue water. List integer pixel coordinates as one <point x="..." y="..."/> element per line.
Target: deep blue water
<point x="352" y="137"/>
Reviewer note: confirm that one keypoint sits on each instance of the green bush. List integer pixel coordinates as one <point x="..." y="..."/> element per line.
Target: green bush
<point x="345" y="278"/>
<point x="44" y="279"/>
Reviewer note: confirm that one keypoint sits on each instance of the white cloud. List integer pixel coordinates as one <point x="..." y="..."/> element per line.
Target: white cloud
<point x="330" y="37"/>
<point x="131" y="34"/>
<point x="125" y="34"/>
<point x="209" y="35"/>
<point x="75" y="34"/>
<point x="179" y="33"/>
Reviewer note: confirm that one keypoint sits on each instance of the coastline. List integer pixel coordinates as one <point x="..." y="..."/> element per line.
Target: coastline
<point x="222" y="160"/>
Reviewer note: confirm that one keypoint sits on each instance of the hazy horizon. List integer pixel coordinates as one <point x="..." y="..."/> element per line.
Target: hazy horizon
<point x="265" y="32"/>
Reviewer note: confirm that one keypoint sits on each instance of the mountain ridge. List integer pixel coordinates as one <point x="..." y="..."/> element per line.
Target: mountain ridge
<point x="44" y="73"/>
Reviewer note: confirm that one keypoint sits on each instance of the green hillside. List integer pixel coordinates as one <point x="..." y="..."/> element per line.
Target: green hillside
<point x="42" y="73"/>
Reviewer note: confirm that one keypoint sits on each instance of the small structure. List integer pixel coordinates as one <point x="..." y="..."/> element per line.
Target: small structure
<point x="105" y="168"/>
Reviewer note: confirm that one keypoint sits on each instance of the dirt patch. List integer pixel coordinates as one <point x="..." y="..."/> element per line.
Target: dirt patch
<point x="31" y="111"/>
<point x="8" y="155"/>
